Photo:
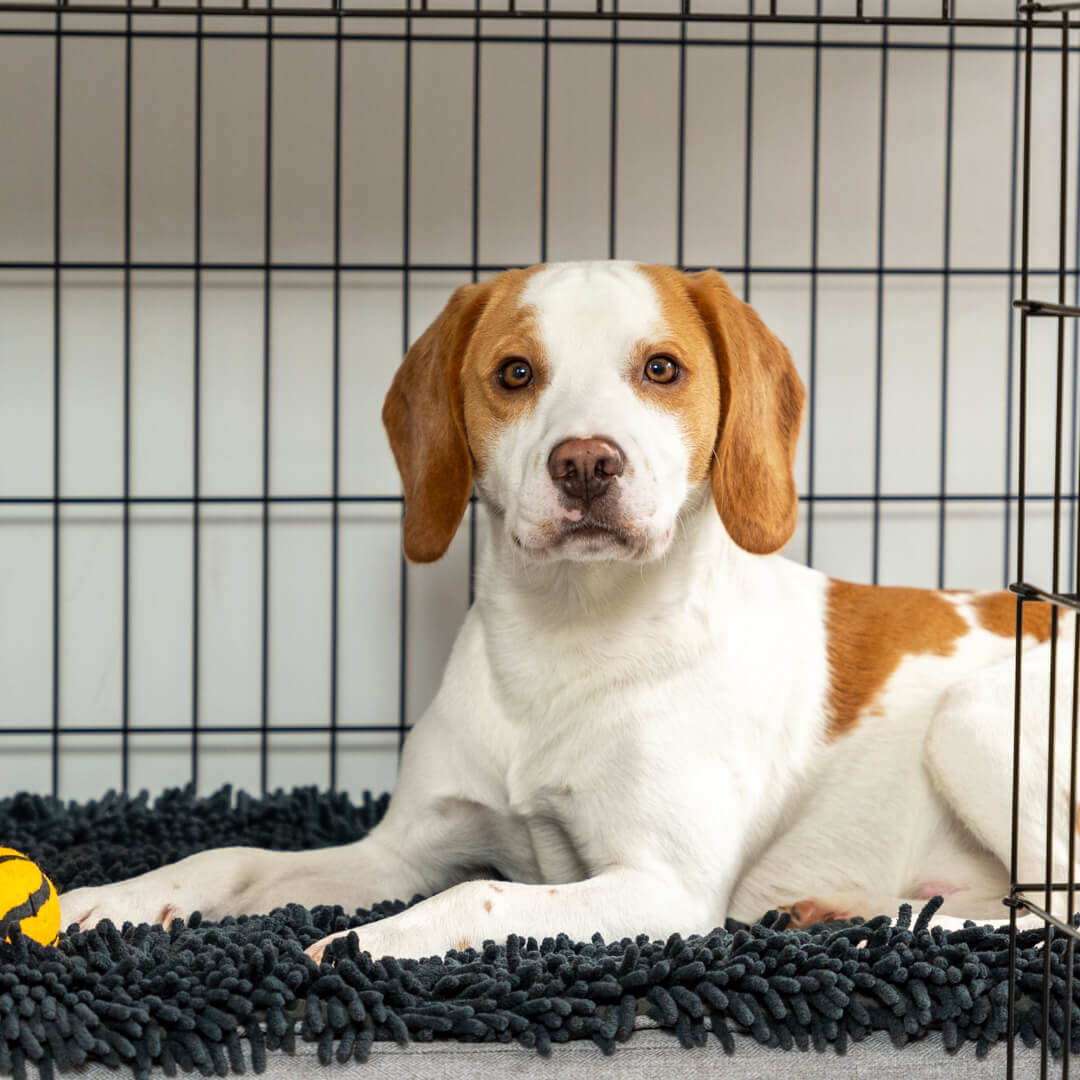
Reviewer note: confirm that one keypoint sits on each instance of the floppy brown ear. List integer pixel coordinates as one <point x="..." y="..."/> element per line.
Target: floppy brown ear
<point x="424" y="415"/>
<point x="761" y="403"/>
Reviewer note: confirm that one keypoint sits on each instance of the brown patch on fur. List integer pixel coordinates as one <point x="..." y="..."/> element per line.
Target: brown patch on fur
<point x="996" y="612"/>
<point x="870" y="630"/>
<point x="425" y="408"/>
<point x="695" y="395"/>
<point x="507" y="329"/>
<point x="553" y="891"/>
<point x="494" y="886"/>
<point x="761" y="404"/>
<point x="487" y="906"/>
<point x="462" y="945"/>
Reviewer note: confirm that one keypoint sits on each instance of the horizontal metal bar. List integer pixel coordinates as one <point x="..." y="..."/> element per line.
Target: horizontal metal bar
<point x="190" y="500"/>
<point x="537" y="37"/>
<point x="1035" y="8"/>
<point x="258" y="500"/>
<point x="1043" y="307"/>
<point x="1042" y="886"/>
<point x="420" y="13"/>
<point x="118" y="266"/>
<point x="1029" y="592"/>
<point x="204" y="729"/>
<point x="1034" y="908"/>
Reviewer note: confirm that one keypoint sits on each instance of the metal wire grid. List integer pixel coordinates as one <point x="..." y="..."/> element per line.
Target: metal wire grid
<point x="1022" y="37"/>
<point x="67" y="24"/>
<point x="64" y="27"/>
<point x="1065" y="314"/>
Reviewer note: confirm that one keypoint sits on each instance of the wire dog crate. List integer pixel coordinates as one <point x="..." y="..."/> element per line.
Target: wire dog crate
<point x="221" y="224"/>
<point x="1062" y="312"/>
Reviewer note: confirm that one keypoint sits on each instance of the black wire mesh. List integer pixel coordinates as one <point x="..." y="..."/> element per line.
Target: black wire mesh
<point x="686" y="28"/>
<point x="1057" y="919"/>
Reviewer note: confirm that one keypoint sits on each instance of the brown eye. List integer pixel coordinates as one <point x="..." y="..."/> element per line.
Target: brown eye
<point x="516" y="373"/>
<point x="661" y="369"/>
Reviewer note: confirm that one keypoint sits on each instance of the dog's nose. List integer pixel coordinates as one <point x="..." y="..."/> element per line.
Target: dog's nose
<point x="584" y="468"/>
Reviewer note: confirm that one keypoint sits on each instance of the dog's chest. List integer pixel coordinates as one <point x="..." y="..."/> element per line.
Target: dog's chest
<point x="547" y="836"/>
<point x="555" y="802"/>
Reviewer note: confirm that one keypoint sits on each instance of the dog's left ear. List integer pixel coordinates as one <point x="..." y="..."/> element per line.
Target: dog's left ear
<point x="424" y="415"/>
<point x="761" y="403"/>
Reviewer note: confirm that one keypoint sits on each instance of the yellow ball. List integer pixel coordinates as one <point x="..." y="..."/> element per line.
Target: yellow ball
<point x="27" y="897"/>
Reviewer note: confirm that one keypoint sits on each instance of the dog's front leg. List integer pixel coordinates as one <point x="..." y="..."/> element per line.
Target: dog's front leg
<point x="416" y="849"/>
<point x="246" y="881"/>
<point x="438" y="828"/>
<point x="617" y="903"/>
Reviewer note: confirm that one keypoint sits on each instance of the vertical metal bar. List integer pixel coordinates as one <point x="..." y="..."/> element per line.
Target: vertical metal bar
<point x="680" y="195"/>
<point x="879" y="305"/>
<point x="475" y="260"/>
<point x="749" y="164"/>
<point x="1055" y="569"/>
<point x="1074" y="458"/>
<point x="268" y="167"/>
<point x="57" y="284"/>
<point x="1067" y="1036"/>
<point x="196" y="409"/>
<point x="815" y="207"/>
<point x="1011" y="318"/>
<point x="403" y="640"/>
<point x="945" y="298"/>
<point x="614" y="149"/>
<point x="1074" y="577"/>
<point x="1021" y="517"/>
<point x="125" y="644"/>
<point x="335" y="450"/>
<point x="545" y="130"/>
<point x="1074" y="729"/>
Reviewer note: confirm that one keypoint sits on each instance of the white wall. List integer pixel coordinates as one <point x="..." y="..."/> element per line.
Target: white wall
<point x="509" y="232"/>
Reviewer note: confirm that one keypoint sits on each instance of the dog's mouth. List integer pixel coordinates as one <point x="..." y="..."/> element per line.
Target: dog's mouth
<point x="586" y="540"/>
<point x="578" y="538"/>
<point x="592" y="530"/>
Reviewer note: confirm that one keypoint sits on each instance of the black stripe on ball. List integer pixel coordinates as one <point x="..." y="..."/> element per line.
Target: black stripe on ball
<point x="13" y="858"/>
<point x="26" y="909"/>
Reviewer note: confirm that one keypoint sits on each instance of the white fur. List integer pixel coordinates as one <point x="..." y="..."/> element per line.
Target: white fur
<point x="636" y="740"/>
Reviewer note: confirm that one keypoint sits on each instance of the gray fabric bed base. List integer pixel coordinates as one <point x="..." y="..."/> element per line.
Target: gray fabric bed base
<point x="650" y="1054"/>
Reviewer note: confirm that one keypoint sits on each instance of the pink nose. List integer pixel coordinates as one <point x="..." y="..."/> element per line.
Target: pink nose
<point x="584" y="468"/>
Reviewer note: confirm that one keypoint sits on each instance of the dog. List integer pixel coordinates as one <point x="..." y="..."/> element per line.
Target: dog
<point x="651" y="720"/>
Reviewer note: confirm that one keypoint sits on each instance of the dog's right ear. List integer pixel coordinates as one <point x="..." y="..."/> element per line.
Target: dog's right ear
<point x="424" y="415"/>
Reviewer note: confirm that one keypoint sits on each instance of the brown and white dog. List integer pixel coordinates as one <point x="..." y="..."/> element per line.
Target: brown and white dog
<point x="651" y="721"/>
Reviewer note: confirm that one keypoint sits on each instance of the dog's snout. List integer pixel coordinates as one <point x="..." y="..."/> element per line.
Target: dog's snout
<point x="584" y="468"/>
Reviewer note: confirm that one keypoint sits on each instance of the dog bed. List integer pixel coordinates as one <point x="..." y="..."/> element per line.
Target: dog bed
<point x="222" y="997"/>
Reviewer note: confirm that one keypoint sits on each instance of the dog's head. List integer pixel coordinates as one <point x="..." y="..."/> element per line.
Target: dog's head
<point x="589" y="402"/>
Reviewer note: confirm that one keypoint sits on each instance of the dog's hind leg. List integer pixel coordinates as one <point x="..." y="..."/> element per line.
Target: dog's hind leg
<point x="969" y="756"/>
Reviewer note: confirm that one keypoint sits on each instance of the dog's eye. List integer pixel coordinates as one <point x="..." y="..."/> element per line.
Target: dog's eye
<point x="661" y="369"/>
<point x="516" y="373"/>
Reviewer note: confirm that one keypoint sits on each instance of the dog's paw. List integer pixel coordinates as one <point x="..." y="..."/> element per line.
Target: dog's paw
<point x="317" y="951"/>
<point x="381" y="939"/>
<point x="805" y="913"/>
<point x="127" y="901"/>
<point x="376" y="940"/>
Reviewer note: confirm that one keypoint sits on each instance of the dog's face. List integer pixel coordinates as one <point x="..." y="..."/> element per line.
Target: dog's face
<point x="590" y="402"/>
